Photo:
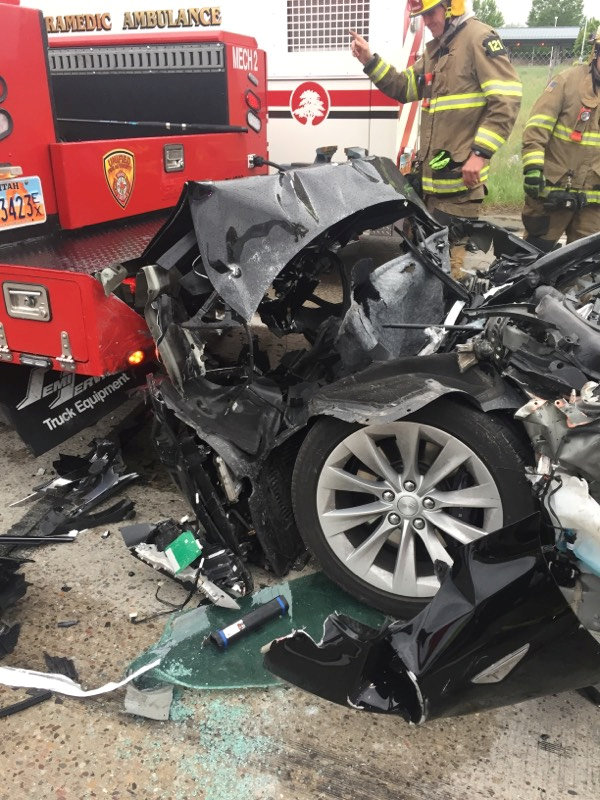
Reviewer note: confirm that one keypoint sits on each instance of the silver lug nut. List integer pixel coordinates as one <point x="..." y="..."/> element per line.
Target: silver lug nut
<point x="409" y="486"/>
<point x="428" y="502"/>
<point x="419" y="524"/>
<point x="394" y="519"/>
<point x="388" y="496"/>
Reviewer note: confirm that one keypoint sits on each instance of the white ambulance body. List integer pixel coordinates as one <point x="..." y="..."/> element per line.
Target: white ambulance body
<point x="318" y="93"/>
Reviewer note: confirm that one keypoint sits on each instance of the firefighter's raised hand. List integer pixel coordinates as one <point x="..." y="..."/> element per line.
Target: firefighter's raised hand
<point x="471" y="171"/>
<point x="360" y="48"/>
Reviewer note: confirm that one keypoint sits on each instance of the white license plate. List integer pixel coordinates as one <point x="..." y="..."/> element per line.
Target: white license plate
<point x="21" y="202"/>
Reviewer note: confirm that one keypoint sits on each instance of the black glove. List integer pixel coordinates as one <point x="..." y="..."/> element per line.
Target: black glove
<point x="563" y="198"/>
<point x="415" y="180"/>
<point x="534" y="183"/>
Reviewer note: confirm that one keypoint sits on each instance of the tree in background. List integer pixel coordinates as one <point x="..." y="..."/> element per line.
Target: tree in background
<point x="564" y="12"/>
<point x="487" y="11"/>
<point x="592" y="26"/>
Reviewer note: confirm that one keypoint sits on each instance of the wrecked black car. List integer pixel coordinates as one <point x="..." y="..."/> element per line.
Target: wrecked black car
<point x="303" y="401"/>
<point x="517" y="615"/>
<point x="259" y="294"/>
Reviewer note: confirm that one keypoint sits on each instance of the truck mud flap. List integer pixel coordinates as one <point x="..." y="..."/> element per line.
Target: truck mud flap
<point x="47" y="407"/>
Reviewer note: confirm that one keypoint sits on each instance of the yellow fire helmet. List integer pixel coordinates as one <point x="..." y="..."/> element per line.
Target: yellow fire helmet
<point x="454" y="8"/>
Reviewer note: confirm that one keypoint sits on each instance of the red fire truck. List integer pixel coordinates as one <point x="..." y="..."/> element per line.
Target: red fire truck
<point x="96" y="141"/>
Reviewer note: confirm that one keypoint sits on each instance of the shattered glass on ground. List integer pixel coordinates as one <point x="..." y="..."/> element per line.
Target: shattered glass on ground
<point x="187" y="661"/>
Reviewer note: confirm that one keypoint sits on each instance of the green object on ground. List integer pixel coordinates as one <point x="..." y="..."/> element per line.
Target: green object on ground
<point x="182" y="551"/>
<point x="187" y="661"/>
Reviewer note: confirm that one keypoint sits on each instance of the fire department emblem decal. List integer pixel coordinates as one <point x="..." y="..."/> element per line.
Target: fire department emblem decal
<point x="310" y="103"/>
<point x="119" y="171"/>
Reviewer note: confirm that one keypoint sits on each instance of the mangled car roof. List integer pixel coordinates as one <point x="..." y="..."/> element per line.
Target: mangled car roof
<point x="249" y="229"/>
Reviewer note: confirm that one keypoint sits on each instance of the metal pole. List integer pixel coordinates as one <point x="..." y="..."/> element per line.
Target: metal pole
<point x="552" y="53"/>
<point x="583" y="41"/>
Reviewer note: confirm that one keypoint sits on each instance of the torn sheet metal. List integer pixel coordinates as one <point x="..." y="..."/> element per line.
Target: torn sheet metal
<point x="247" y="230"/>
<point x="390" y="391"/>
<point x="499" y="631"/>
<point x="61" y="684"/>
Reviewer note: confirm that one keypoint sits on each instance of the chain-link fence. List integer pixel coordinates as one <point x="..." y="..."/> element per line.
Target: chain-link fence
<point x="543" y="57"/>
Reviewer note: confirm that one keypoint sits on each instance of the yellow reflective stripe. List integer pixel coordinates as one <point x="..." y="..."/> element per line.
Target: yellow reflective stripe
<point x="592" y="195"/>
<point x="412" y="93"/>
<point x="492" y="134"/>
<point x="533" y="157"/>
<point x="457" y="101"/>
<point x="589" y="139"/>
<point x="503" y="93"/>
<point x="489" y="146"/>
<point x="542" y="118"/>
<point x="452" y="102"/>
<point x="541" y="121"/>
<point x="467" y="106"/>
<point x="380" y="71"/>
<point x="449" y="185"/>
<point x="378" y="66"/>
<point x="464" y="96"/>
<point x="588" y="134"/>
<point x="456" y="106"/>
<point x="488" y="139"/>
<point x="507" y="84"/>
<point x="532" y="124"/>
<point x="383" y="74"/>
<point x="506" y="88"/>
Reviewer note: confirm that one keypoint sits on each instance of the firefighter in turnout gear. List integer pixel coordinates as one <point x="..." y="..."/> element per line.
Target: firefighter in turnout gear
<point x="470" y="100"/>
<point x="561" y="157"/>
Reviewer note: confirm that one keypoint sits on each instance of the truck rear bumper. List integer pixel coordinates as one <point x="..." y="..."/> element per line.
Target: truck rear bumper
<point x="79" y="329"/>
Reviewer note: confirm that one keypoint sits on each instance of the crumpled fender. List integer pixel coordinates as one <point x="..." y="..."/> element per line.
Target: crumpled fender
<point x="499" y="631"/>
<point x="391" y="390"/>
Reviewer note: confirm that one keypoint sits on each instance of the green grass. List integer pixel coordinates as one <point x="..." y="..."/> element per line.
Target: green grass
<point x="505" y="183"/>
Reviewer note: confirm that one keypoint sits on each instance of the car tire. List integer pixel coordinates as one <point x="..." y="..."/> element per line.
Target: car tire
<point x="327" y="490"/>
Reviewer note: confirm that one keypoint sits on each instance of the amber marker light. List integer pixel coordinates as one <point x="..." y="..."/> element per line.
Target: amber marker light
<point x="136" y="357"/>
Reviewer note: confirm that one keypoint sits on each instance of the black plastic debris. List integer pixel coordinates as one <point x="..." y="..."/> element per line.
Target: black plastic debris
<point x="32" y="541"/>
<point x="67" y="503"/>
<point x="61" y="666"/>
<point x="33" y="700"/>
<point x="13" y="586"/>
<point x="9" y="636"/>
